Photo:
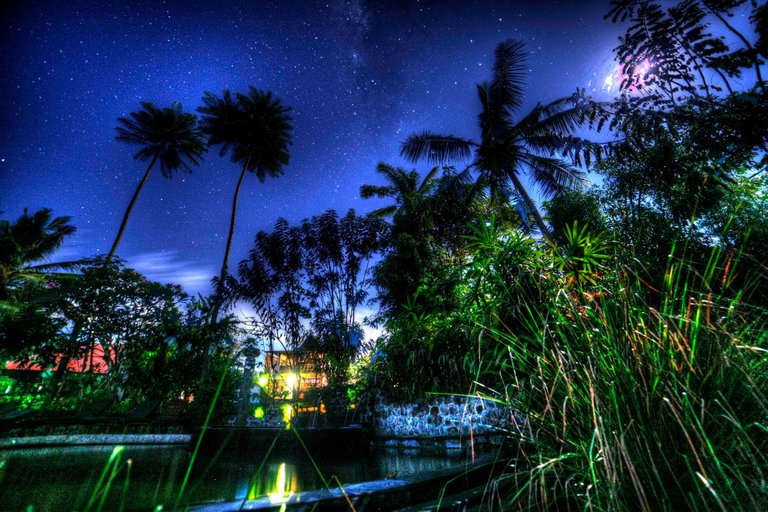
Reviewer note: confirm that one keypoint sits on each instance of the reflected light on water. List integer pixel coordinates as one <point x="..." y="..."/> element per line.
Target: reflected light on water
<point x="69" y="478"/>
<point x="283" y="484"/>
<point x="279" y="483"/>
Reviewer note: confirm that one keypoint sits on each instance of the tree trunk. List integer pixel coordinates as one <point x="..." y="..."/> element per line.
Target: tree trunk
<point x="57" y="382"/>
<point x="130" y="207"/>
<point x="531" y="206"/>
<point x="225" y="264"/>
<point x="218" y="299"/>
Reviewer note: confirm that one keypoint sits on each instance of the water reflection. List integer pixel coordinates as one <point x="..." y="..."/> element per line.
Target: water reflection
<point x="143" y="477"/>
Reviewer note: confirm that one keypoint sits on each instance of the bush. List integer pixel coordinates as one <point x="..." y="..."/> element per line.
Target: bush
<point x="217" y="395"/>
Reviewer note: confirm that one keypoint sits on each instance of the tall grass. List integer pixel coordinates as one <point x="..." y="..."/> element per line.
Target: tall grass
<point x="637" y="399"/>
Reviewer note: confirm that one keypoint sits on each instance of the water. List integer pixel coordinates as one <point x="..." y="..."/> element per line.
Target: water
<point x="143" y="477"/>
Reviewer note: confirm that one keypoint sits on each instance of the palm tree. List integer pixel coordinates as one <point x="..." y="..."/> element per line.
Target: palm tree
<point x="168" y="135"/>
<point x="256" y="129"/>
<point x="508" y="149"/>
<point x="410" y="197"/>
<point x="30" y="239"/>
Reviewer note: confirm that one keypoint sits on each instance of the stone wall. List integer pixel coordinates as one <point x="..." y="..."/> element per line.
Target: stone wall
<point x="441" y="416"/>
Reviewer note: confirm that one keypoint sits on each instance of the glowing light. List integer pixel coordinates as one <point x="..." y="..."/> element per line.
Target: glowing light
<point x="263" y="380"/>
<point x="287" y="415"/>
<point x="290" y="381"/>
<point x="642" y="76"/>
<point x="608" y="83"/>
<point x="258" y="413"/>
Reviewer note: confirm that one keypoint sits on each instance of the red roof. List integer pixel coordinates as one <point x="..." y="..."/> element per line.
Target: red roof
<point x="79" y="365"/>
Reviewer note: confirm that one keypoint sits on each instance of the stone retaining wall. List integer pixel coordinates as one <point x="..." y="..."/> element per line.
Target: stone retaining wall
<point x="445" y="416"/>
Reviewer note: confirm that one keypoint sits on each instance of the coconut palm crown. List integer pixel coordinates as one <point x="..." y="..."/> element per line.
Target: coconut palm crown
<point x="508" y="149"/>
<point x="30" y="239"/>
<point x="168" y="135"/>
<point x="403" y="186"/>
<point x="255" y="129"/>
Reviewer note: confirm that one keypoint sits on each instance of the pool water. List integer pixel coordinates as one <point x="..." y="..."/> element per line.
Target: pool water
<point x="148" y="477"/>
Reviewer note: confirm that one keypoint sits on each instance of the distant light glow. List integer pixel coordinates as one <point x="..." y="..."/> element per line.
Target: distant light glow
<point x="258" y="413"/>
<point x="642" y="76"/>
<point x="263" y="380"/>
<point x="290" y="381"/>
<point x="608" y="82"/>
<point x="287" y="415"/>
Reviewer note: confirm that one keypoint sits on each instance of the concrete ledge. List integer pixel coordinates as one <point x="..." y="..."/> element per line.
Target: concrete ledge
<point x="93" y="439"/>
<point x="447" y="442"/>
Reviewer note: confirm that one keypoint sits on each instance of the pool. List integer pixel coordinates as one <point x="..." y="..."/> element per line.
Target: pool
<point x="140" y="477"/>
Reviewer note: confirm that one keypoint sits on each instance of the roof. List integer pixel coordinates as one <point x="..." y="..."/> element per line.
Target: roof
<point x="76" y="364"/>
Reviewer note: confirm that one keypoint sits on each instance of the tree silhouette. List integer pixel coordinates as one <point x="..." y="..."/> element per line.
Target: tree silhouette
<point x="168" y="135"/>
<point x="255" y="129"/>
<point x="28" y="240"/>
<point x="410" y="196"/>
<point x="508" y="149"/>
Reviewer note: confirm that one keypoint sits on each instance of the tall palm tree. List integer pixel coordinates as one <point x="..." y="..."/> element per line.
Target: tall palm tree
<point x="255" y="129"/>
<point x="30" y="239"/>
<point x="508" y="149"/>
<point x="168" y="135"/>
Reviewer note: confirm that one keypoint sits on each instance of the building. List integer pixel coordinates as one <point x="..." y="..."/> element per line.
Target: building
<point x="291" y="375"/>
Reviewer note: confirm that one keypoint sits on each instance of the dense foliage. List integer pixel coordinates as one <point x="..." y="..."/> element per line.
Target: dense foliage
<point x="633" y="336"/>
<point x="306" y="283"/>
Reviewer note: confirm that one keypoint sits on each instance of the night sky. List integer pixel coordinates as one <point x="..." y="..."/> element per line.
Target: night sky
<point x="360" y="76"/>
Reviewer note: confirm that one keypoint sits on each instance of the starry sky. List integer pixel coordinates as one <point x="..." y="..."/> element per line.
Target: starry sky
<point x="359" y="75"/>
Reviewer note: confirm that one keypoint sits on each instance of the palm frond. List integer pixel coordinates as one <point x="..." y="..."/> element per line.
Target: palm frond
<point x="170" y="134"/>
<point x="402" y="182"/>
<point x="380" y="191"/>
<point x="384" y="212"/>
<point x="553" y="175"/>
<point x="509" y="73"/>
<point x="428" y="181"/>
<point x="435" y="148"/>
<point x="578" y="150"/>
<point x="560" y="122"/>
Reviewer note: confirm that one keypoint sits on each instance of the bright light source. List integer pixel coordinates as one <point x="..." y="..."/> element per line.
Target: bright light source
<point x="258" y="413"/>
<point x="263" y="380"/>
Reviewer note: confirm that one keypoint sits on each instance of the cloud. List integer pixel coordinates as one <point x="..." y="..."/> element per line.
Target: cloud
<point x="166" y="267"/>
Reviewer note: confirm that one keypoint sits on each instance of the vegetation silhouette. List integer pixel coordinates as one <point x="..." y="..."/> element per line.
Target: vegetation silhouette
<point x="255" y="128"/>
<point x="168" y="135"/>
<point x="508" y="149"/>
